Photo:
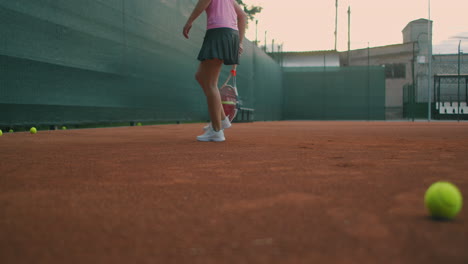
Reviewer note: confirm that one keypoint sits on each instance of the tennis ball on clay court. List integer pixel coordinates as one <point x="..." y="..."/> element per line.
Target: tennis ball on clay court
<point x="64" y="128"/>
<point x="11" y="131"/>
<point x="138" y="124"/>
<point x="443" y="200"/>
<point x="33" y="130"/>
<point x="1" y="132"/>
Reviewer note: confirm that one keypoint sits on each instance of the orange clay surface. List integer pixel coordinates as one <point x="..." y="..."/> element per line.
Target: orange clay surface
<point x="274" y="192"/>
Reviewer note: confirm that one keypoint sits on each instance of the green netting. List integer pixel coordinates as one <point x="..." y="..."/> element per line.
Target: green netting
<point x="268" y="77"/>
<point x="333" y="93"/>
<point x="114" y="60"/>
<point x="117" y="60"/>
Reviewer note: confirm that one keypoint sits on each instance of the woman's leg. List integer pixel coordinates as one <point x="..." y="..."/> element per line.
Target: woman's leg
<point x="223" y="115"/>
<point x="207" y="76"/>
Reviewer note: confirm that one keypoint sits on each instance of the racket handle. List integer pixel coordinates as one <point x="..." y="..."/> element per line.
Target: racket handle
<point x="233" y="74"/>
<point x="234" y="70"/>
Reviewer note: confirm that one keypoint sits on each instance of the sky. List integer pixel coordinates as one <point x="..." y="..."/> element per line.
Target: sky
<point x="308" y="25"/>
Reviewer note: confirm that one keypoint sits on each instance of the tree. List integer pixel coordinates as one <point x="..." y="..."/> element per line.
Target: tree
<point x="250" y="11"/>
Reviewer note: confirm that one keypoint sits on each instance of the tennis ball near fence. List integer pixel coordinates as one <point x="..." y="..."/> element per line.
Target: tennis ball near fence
<point x="1" y="132"/>
<point x="11" y="131"/>
<point x="33" y="130"/>
<point x="64" y="128"/>
<point x="138" y="124"/>
<point x="443" y="200"/>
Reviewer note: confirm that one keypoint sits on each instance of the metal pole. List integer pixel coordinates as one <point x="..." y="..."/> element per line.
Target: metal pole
<point x="265" y="41"/>
<point x="410" y="92"/>
<point x="368" y="81"/>
<point x="429" y="51"/>
<point x="272" y="46"/>
<point x="435" y="92"/>
<point x="336" y="23"/>
<point x="458" y="110"/>
<point x="437" y="85"/>
<point x="368" y="53"/>
<point x="281" y="55"/>
<point x="256" y="32"/>
<point x="349" y="34"/>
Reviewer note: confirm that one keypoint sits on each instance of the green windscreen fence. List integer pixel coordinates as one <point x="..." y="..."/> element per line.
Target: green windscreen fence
<point x="334" y="93"/>
<point x="93" y="61"/>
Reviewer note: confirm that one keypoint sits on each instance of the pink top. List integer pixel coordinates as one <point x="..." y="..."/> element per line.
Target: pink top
<point x="221" y="13"/>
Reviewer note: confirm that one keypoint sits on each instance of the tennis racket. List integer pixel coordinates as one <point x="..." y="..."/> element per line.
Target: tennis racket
<point x="229" y="96"/>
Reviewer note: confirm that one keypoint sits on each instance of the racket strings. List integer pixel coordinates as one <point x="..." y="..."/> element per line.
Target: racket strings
<point x="228" y="93"/>
<point x="229" y="99"/>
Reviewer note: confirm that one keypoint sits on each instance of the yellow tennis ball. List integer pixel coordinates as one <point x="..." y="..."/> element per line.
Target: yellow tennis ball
<point x="11" y="131"/>
<point x="443" y="200"/>
<point x="33" y="130"/>
<point x="1" y="132"/>
<point x="64" y="128"/>
<point x="138" y="124"/>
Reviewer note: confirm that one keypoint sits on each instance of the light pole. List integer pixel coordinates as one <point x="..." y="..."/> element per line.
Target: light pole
<point x="349" y="33"/>
<point x="458" y="104"/>
<point x="429" y="55"/>
<point x="336" y="23"/>
<point x="256" y="32"/>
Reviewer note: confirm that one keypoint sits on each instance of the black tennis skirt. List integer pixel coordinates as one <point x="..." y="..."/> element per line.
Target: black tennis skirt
<point x="221" y="43"/>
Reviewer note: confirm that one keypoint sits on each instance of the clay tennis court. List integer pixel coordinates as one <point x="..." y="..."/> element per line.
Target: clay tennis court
<point x="274" y="192"/>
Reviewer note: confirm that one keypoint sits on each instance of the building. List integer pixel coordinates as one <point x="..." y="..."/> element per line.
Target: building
<point x="325" y="58"/>
<point x="405" y="64"/>
<point x="397" y="60"/>
<point x="406" y="67"/>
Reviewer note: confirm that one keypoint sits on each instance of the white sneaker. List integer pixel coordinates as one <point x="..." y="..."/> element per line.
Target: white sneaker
<point x="224" y="124"/>
<point x="211" y="135"/>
